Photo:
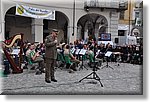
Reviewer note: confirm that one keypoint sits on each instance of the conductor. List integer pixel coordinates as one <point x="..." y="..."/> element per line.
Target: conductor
<point x="50" y="55"/>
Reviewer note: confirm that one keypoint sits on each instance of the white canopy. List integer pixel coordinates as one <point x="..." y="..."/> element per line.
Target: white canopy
<point x="131" y="40"/>
<point x="123" y="27"/>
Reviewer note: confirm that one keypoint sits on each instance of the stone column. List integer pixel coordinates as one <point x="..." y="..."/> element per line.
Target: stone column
<point x="37" y="30"/>
<point x="2" y="23"/>
<point x="71" y="37"/>
<point x="69" y="34"/>
<point x="0" y="19"/>
<point x="114" y="25"/>
<point x="2" y="30"/>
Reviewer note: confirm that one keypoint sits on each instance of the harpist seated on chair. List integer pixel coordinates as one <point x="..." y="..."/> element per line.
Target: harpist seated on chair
<point x="35" y="57"/>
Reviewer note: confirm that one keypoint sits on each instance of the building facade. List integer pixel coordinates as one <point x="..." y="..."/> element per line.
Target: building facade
<point x="130" y="21"/>
<point x="75" y="19"/>
<point x="0" y="19"/>
<point x="137" y="29"/>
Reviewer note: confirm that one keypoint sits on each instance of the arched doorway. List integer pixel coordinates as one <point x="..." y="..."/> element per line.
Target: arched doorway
<point x="60" y="23"/>
<point x="17" y="24"/>
<point x="91" y="26"/>
<point x="20" y="24"/>
<point x="135" y="32"/>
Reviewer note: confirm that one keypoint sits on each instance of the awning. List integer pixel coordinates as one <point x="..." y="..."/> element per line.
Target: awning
<point x="123" y="27"/>
<point x="136" y="31"/>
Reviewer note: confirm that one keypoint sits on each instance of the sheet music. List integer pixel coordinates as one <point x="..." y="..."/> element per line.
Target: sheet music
<point x="73" y="50"/>
<point x="77" y="51"/>
<point x="82" y="52"/>
<point x="97" y="52"/>
<point x="15" y="52"/>
<point x="108" y="53"/>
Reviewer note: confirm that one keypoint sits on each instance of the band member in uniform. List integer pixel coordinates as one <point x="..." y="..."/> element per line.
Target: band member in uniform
<point x="51" y="55"/>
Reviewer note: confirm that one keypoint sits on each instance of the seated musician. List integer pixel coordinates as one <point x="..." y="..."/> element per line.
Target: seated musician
<point x="130" y="53"/>
<point x="5" y="61"/>
<point x="61" y="48"/>
<point x="136" y="57"/>
<point x="101" y="53"/>
<point x="85" y="47"/>
<point x="91" y="53"/>
<point x="125" y="53"/>
<point x="117" y="54"/>
<point x="60" y="56"/>
<point x="141" y="53"/>
<point x="35" y="58"/>
<point x="72" y="58"/>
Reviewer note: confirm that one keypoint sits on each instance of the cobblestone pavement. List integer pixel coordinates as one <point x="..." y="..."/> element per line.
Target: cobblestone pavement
<point x="123" y="79"/>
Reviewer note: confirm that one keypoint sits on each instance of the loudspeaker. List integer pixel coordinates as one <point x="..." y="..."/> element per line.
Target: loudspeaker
<point x="116" y="40"/>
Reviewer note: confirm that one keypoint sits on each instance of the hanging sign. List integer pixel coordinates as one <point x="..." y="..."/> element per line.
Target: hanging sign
<point x="35" y="12"/>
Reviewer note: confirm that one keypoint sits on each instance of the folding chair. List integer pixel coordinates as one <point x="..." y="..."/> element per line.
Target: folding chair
<point x="2" y="73"/>
<point x="68" y="62"/>
<point x="92" y="63"/>
<point x="60" y="58"/>
<point x="31" y="65"/>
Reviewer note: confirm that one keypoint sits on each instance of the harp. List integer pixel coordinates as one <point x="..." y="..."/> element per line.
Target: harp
<point x="8" y="44"/>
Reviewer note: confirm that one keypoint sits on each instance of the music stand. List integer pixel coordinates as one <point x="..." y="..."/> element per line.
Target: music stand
<point x="118" y="59"/>
<point x="15" y="52"/>
<point x="93" y="74"/>
<point x="77" y="53"/>
<point x="107" y="55"/>
<point x="73" y="50"/>
<point x="82" y="53"/>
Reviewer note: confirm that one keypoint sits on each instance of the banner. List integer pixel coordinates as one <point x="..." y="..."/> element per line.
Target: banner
<point x="35" y="12"/>
<point x="105" y="37"/>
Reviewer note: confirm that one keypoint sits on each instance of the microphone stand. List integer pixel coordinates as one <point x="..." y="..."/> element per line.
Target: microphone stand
<point x="93" y="75"/>
<point x="82" y="65"/>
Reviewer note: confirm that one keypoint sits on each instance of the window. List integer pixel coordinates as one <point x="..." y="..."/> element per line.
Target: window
<point x="121" y="32"/>
<point x="137" y="14"/>
<point x="121" y="15"/>
<point x="93" y="3"/>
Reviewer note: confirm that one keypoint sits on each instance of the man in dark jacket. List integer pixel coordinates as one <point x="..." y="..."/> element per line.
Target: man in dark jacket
<point x="51" y="55"/>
